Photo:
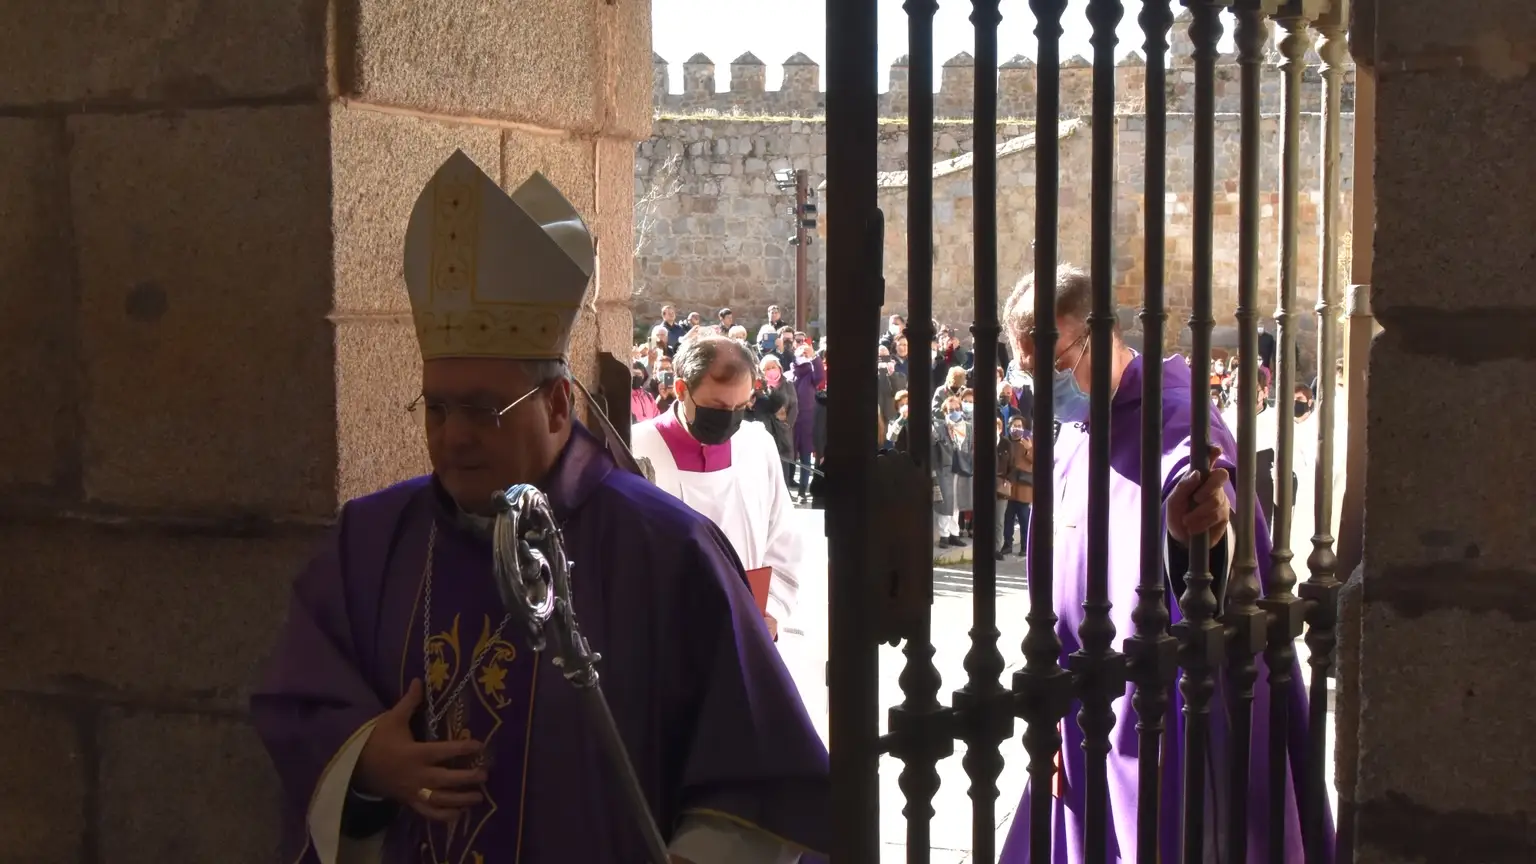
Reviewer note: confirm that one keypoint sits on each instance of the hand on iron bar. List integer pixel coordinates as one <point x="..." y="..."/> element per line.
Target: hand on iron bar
<point x="1199" y="503"/>
<point x="395" y="765"/>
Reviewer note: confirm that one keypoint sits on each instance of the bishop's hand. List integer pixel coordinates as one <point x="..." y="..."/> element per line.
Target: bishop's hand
<point x="395" y="765"/>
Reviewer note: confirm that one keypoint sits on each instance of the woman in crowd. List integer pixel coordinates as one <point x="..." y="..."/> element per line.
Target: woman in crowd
<point x="776" y="407"/>
<point x="1016" y="470"/>
<point x="953" y="386"/>
<point x="943" y="461"/>
<point x="659" y="344"/>
<point x="642" y="405"/>
<point x="807" y="375"/>
<point x="965" y="461"/>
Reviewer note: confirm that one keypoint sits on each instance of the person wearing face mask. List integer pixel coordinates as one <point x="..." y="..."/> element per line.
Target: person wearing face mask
<point x="806" y="374"/>
<point x="964" y="461"/>
<point x="1303" y="403"/>
<point x="953" y="386"/>
<point x="946" y="510"/>
<point x="1196" y="507"/>
<point x="776" y="407"/>
<point x="642" y="405"/>
<point x="705" y="453"/>
<point x="1016" y="485"/>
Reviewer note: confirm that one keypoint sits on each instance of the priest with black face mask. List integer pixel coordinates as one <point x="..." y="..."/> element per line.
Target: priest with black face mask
<point x="705" y="453"/>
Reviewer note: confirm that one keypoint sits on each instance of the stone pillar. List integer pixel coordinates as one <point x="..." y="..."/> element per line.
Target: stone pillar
<point x="1449" y="604"/>
<point x="207" y="346"/>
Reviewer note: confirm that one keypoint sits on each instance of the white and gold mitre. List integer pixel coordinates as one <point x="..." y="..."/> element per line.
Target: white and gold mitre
<point x="492" y="274"/>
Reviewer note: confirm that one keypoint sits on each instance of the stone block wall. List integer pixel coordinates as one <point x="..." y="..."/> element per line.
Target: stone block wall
<point x="208" y="345"/>
<point x="1446" y="712"/>
<point x="799" y="93"/>
<point x="716" y="237"/>
<point x="953" y="206"/>
<point x="712" y="226"/>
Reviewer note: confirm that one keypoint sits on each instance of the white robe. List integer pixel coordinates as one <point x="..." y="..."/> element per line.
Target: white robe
<point x="748" y="501"/>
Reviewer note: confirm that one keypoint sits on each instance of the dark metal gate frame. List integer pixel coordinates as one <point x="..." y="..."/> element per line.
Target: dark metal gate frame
<point x="876" y="595"/>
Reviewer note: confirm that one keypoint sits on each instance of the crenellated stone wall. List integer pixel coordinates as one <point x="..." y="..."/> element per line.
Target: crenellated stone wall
<point x="953" y="211"/>
<point x="799" y="93"/>
<point x="712" y="224"/>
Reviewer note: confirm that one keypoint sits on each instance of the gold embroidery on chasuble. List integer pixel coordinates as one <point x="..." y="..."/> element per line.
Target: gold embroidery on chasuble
<point x="477" y="709"/>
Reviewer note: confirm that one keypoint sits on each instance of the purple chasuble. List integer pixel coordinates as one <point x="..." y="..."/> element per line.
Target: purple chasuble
<point x="710" y="715"/>
<point x="1069" y="590"/>
<point x="479" y="679"/>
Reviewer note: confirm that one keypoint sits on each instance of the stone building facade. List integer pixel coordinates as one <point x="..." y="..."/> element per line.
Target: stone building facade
<point x="712" y="224"/>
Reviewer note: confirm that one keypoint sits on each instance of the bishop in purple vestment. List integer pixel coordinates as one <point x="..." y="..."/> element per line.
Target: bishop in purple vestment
<point x="408" y="717"/>
<point x="1069" y="587"/>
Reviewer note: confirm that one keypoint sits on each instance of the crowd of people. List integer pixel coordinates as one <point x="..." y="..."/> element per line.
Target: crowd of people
<point x="791" y="393"/>
<point x="790" y="401"/>
<point x="789" y="397"/>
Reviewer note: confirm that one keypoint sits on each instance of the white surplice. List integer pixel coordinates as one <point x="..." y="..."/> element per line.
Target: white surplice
<point x="747" y="499"/>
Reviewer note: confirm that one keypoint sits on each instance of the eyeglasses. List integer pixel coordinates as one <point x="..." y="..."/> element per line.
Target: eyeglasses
<point x="479" y="416"/>
<point x="1082" y="342"/>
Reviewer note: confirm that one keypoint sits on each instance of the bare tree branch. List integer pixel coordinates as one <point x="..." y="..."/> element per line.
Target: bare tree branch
<point x="665" y="182"/>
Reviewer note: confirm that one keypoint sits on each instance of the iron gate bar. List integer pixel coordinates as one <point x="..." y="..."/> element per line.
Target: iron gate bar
<point x="983" y="708"/>
<point x="1321" y="590"/>
<point x="1098" y="669"/>
<point x="1245" y="622"/>
<point x="1285" y="609"/>
<point x="1152" y="658"/>
<point x="853" y="269"/>
<point x="921" y="732"/>
<point x="1043" y="689"/>
<point x="1202" y="647"/>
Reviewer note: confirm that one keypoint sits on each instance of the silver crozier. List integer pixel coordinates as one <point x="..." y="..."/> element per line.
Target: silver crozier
<point x="534" y="578"/>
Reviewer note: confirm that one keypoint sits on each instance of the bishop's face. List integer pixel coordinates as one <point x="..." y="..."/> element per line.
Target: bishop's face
<point x="490" y="426"/>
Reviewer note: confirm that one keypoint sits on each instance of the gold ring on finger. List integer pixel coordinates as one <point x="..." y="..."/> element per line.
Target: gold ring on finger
<point x="424" y="794"/>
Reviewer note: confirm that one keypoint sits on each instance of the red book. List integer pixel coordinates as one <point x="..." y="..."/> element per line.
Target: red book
<point x="757" y="580"/>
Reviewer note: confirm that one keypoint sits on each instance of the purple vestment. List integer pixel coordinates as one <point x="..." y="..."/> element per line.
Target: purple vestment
<point x="807" y="375"/>
<point x="709" y="713"/>
<point x="1069" y="587"/>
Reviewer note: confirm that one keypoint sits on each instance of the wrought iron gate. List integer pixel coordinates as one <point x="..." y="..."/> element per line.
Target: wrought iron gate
<point x="881" y="590"/>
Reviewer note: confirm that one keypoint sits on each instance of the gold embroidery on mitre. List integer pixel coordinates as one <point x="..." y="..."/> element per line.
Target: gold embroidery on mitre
<point x="495" y="274"/>
<point x="455" y="235"/>
<point x="525" y="330"/>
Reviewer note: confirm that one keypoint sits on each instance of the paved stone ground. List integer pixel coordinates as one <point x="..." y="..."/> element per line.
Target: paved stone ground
<point x="806" y="653"/>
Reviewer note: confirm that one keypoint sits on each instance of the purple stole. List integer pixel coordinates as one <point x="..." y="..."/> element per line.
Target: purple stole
<point x="493" y="706"/>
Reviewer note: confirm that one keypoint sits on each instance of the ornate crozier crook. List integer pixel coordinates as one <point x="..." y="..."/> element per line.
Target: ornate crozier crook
<point x="533" y="575"/>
